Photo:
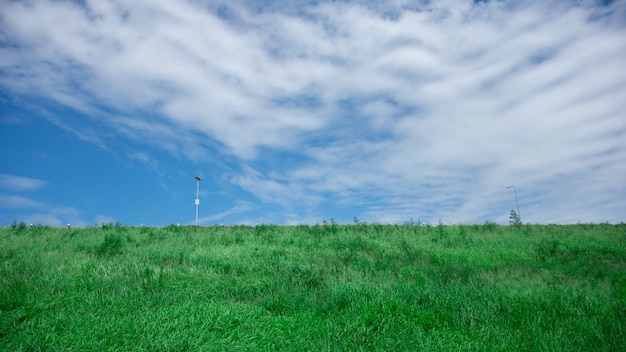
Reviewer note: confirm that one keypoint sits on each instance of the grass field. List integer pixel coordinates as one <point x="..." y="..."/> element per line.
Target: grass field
<point x="361" y="287"/>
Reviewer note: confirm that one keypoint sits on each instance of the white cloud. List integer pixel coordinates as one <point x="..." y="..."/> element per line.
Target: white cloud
<point x="57" y="216"/>
<point x="103" y="219"/>
<point x="12" y="202"/>
<point x="31" y="210"/>
<point x="238" y="208"/>
<point x="145" y="159"/>
<point x="401" y="108"/>
<point x="19" y="183"/>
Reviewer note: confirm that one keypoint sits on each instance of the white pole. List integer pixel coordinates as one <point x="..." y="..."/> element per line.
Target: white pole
<point x="198" y="178"/>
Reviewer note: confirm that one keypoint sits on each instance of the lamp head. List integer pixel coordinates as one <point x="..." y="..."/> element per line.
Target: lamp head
<point x="198" y="178"/>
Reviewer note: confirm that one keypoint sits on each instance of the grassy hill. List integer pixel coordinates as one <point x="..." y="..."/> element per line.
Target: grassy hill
<point x="314" y="288"/>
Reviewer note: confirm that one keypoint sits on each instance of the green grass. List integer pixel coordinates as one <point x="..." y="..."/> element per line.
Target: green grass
<point x="314" y="288"/>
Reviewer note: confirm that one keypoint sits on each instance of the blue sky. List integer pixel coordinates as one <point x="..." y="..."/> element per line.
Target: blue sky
<point x="303" y="111"/>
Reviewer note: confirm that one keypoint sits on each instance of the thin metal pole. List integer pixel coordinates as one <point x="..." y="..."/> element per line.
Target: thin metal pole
<point x="198" y="178"/>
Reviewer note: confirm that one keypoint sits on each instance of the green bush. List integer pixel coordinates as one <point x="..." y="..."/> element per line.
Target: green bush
<point x="514" y="219"/>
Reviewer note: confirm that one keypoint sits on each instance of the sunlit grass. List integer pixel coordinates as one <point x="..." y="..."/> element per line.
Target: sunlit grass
<point x="324" y="287"/>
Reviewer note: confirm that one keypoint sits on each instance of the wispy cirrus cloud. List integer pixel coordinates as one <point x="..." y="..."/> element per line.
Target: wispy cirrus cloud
<point x="13" y="201"/>
<point x="239" y="208"/>
<point x="20" y="183"/>
<point x="60" y="216"/>
<point x="402" y="109"/>
<point x="32" y="209"/>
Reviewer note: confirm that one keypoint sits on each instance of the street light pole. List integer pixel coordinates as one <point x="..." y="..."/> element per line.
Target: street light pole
<point x="198" y="179"/>
<point x="516" y="203"/>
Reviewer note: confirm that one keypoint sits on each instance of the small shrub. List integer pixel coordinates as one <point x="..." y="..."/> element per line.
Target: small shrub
<point x="515" y="220"/>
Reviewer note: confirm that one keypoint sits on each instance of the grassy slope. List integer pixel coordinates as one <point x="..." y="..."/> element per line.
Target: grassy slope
<point x="361" y="287"/>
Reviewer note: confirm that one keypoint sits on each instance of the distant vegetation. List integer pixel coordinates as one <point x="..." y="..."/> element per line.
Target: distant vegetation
<point x="326" y="287"/>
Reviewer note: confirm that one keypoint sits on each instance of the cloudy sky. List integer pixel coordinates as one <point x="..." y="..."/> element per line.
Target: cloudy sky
<point x="303" y="111"/>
